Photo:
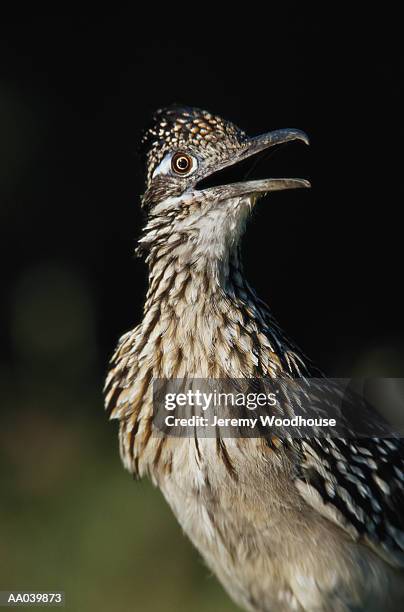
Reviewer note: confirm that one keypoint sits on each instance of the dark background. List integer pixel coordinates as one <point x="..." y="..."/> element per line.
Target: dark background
<point x="76" y="89"/>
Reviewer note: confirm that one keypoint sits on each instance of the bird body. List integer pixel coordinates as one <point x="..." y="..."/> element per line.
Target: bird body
<point x="282" y="524"/>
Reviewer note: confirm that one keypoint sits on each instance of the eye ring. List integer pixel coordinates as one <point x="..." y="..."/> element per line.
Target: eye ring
<point x="181" y="163"/>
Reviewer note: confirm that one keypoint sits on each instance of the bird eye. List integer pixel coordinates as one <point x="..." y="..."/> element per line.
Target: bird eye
<point x="182" y="163"/>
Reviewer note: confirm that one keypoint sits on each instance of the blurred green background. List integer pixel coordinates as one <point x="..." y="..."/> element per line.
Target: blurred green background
<point x="75" y="91"/>
<point x="70" y="517"/>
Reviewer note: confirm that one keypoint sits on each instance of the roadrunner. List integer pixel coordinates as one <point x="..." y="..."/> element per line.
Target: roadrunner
<point x="314" y="525"/>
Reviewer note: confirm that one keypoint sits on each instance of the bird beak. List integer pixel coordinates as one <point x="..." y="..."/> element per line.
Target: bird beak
<point x="253" y="146"/>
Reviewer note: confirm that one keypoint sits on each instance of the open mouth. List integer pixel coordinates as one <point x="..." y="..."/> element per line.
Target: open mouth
<point x="247" y="174"/>
<point x="251" y="168"/>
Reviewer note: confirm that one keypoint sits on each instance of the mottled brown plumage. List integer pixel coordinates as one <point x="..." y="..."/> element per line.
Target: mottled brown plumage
<point x="305" y="525"/>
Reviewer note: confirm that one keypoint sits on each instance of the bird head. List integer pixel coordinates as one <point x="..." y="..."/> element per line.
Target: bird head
<point x="185" y="148"/>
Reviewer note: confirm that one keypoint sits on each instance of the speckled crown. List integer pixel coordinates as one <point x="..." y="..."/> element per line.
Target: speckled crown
<point x="176" y="127"/>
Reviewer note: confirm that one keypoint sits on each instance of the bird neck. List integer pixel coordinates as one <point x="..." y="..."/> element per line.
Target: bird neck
<point x="174" y="280"/>
<point x="208" y="321"/>
<point x="197" y="258"/>
<point x="200" y="312"/>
